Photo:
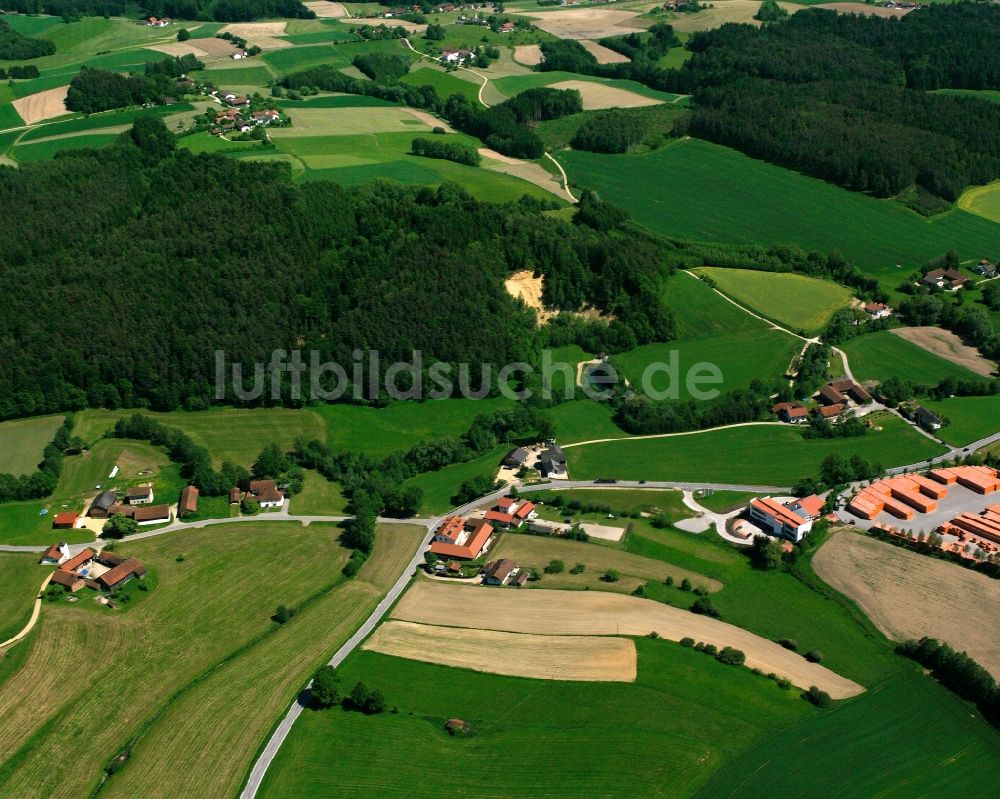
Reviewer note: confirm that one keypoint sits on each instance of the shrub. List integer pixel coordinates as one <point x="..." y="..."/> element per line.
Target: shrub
<point x="324" y="691"/>
<point x="669" y="582"/>
<point x="703" y="606"/>
<point x="817" y="697"/>
<point x="639" y="590"/>
<point x="119" y="526"/>
<point x="580" y="568"/>
<point x="654" y="635"/>
<point x="711" y="649"/>
<point x="555" y="567"/>
<point x="611" y="576"/>
<point x="687" y="641"/>
<point x="731" y="656"/>
<point x="283" y="613"/>
<point x="685" y="584"/>
<point x="813" y="656"/>
<point x="788" y="643"/>
<point x="250" y="506"/>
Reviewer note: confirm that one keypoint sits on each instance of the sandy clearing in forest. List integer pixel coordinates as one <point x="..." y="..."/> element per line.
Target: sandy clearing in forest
<point x="587" y="23"/>
<point x="528" y="54"/>
<point x="547" y="612"/>
<point x="325" y="10"/>
<point x="43" y="105"/>
<point x="597" y="95"/>
<point x="604" y="55"/>
<point x="865" y="10"/>
<point x="542" y="657"/>
<point x="909" y="595"/>
<point x="526" y="287"/>
<point x="947" y="345"/>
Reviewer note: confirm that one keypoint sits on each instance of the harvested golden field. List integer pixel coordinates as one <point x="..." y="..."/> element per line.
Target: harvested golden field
<point x="528" y="54"/>
<point x="537" y="551"/>
<point x="599" y="613"/>
<point x="604" y="55"/>
<point x="720" y="12"/>
<point x="183" y="48"/>
<point x="542" y="657"/>
<point x="205" y="742"/>
<point x="42" y="105"/>
<point x="947" y="345"/>
<point x="588" y="23"/>
<point x="909" y="595"/>
<point x="327" y="10"/>
<point x="598" y="95"/>
<point x="865" y="10"/>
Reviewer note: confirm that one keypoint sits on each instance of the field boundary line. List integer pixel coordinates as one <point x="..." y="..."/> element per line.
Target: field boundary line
<point x="670" y="435"/>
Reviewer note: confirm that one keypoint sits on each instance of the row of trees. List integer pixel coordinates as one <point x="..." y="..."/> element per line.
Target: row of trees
<point x="15" y="46"/>
<point x="208" y="10"/>
<point x="449" y="151"/>
<point x="42" y="482"/>
<point x="959" y="673"/>
<point x="17" y="72"/>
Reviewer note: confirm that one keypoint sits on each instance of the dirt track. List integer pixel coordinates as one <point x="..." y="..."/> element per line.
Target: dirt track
<point x="597" y="613"/>
<point x="543" y="657"/>
<point x="909" y="595"/>
<point x="947" y="345"/>
<point x="597" y="95"/>
<point x="43" y="105"/>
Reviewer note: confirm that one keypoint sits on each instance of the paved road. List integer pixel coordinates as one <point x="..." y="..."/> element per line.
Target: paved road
<point x="282" y="730"/>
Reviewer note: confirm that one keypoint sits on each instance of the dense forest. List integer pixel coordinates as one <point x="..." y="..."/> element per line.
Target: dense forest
<point x="138" y="256"/>
<point x="208" y="10"/>
<point x="785" y="91"/>
<point x="16" y="47"/>
<point x="93" y="90"/>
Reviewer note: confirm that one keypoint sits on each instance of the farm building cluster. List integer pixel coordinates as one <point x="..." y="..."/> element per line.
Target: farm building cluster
<point x="469" y="538"/>
<point x="946" y="500"/>
<point x="833" y="400"/>
<point x="548" y="459"/>
<point x="265" y="492"/>
<point x="100" y="571"/>
<point x="136" y="503"/>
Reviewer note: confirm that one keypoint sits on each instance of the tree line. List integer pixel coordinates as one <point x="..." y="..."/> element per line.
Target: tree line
<point x="93" y="90"/>
<point x="207" y="10"/>
<point x="449" y="151"/>
<point x="19" y="72"/>
<point x="15" y="46"/>
<point x="42" y="482"/>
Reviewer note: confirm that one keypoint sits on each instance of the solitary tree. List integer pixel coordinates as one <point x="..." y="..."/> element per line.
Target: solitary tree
<point x="119" y="526"/>
<point x="324" y="691"/>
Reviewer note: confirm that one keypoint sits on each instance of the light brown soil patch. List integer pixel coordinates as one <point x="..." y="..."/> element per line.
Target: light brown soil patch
<point x="909" y="595"/>
<point x="181" y="48"/>
<point x="721" y="12"/>
<point x="533" y="173"/>
<point x="604" y="55"/>
<point x="528" y="54"/>
<point x="600" y="613"/>
<point x="409" y="27"/>
<point x="947" y="345"/>
<point x="250" y="30"/>
<point x="216" y="46"/>
<point x="865" y="10"/>
<point x="542" y="657"/>
<point x="429" y="119"/>
<point x="526" y="287"/>
<point x="597" y="95"/>
<point x="325" y="10"/>
<point x="43" y="105"/>
<point x="588" y="23"/>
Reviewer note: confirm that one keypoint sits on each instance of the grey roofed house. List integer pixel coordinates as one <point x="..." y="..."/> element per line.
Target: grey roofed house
<point x="553" y="460"/>
<point x="516" y="457"/>
<point x="102" y="503"/>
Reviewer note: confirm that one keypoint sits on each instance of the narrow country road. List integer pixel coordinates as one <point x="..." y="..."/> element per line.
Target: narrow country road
<point x="671" y="435"/>
<point x="35" y="611"/>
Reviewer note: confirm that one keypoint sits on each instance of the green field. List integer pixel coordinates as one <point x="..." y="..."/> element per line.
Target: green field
<point x="400" y="425"/>
<point x="729" y="197"/>
<point x="763" y="454"/>
<point x="230" y="434"/>
<point x="104" y="120"/>
<point x="584" y="420"/>
<point x="444" y="83"/>
<point x="700" y="312"/>
<point x="864" y="747"/>
<point x="152" y="649"/>
<point x="739" y="357"/>
<point x="22" y="442"/>
<point x="337" y="101"/>
<point x="969" y="418"/>
<point x="175" y="757"/>
<point x="47" y="149"/>
<point x="239" y="76"/>
<point x="21" y="578"/>
<point x="881" y="355"/>
<point x="9" y="118"/>
<point x="725" y="501"/>
<point x="318" y="497"/>
<point x="440" y="486"/>
<point x="983" y="201"/>
<point x="799" y="302"/>
<point x="662" y="736"/>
